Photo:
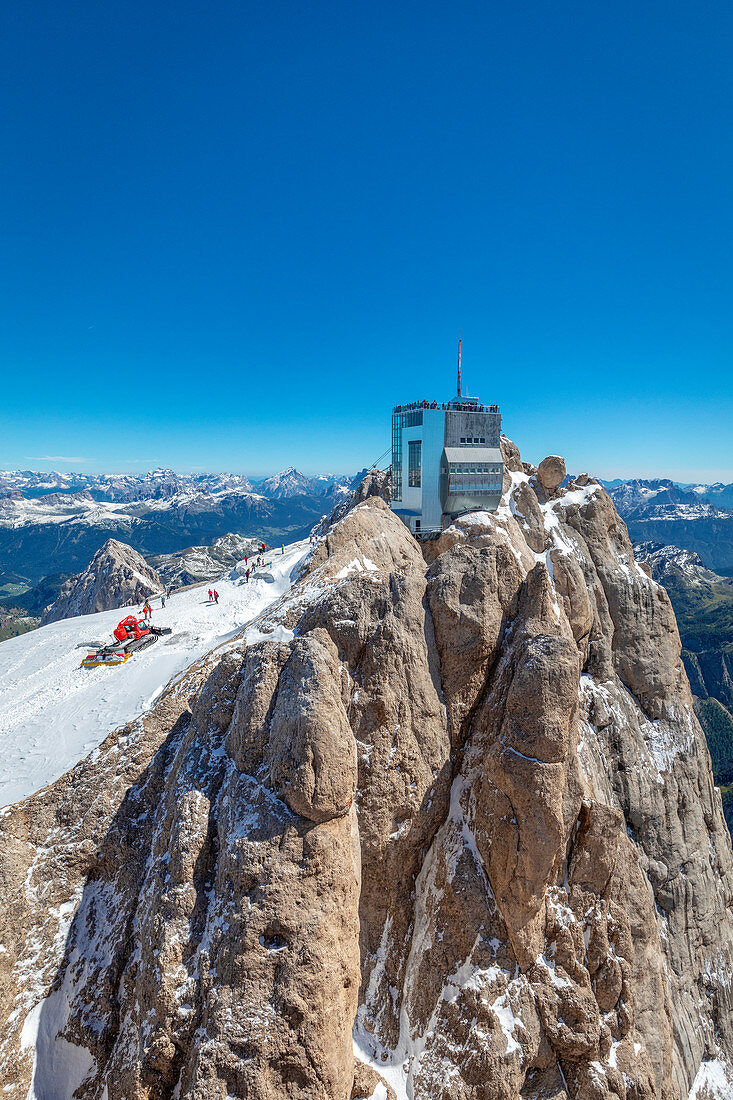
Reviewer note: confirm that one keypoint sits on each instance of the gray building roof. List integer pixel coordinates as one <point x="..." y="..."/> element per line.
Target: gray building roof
<point x="473" y="454"/>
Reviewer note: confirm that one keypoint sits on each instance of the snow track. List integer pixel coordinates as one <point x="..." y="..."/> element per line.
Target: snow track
<point x="53" y="713"/>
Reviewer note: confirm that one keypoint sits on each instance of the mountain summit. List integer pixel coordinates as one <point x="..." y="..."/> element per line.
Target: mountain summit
<point x="443" y="827"/>
<point x="117" y="576"/>
<point x="291" y="483"/>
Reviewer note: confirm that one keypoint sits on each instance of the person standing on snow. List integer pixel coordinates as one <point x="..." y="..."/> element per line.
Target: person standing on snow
<point x="216" y="596"/>
<point x="211" y="595"/>
<point x="282" y="549"/>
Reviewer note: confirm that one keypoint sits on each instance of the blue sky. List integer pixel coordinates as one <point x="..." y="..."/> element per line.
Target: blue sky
<point x="236" y="234"/>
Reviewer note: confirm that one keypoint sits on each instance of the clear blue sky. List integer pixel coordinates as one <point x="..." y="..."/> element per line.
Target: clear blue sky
<point x="235" y="234"/>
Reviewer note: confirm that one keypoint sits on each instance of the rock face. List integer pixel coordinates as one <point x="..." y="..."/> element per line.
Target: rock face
<point x="117" y="576"/>
<point x="373" y="483"/>
<point x="456" y="803"/>
<point x="703" y="605"/>
<point x="202" y="563"/>
<point x="551" y="471"/>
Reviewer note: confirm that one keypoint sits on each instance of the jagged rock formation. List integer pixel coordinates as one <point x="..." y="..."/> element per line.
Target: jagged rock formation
<point x="117" y="576"/>
<point x="703" y="605"/>
<point x="703" y="602"/>
<point x="373" y="483"/>
<point x="202" y="563"/>
<point x="457" y="802"/>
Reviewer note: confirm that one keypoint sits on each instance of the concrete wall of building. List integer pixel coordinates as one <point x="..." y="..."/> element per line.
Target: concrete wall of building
<point x="484" y="425"/>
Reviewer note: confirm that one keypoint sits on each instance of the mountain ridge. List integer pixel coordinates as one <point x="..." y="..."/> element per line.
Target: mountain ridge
<point x="456" y="811"/>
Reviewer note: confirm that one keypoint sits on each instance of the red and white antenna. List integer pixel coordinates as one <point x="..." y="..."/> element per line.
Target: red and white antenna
<point x="459" y="366"/>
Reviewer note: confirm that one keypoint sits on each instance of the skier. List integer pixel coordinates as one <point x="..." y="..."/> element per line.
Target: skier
<point x="282" y="549"/>
<point x="162" y="601"/>
<point x="216" y="596"/>
<point x="246" y="576"/>
<point x="211" y="595"/>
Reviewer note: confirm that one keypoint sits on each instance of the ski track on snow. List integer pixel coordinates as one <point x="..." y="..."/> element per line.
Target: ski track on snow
<point x="53" y="713"/>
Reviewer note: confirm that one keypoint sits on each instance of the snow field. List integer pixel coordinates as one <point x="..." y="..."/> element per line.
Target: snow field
<point x="53" y="713"/>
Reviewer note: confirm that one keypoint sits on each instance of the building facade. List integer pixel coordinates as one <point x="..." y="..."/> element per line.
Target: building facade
<point x="446" y="460"/>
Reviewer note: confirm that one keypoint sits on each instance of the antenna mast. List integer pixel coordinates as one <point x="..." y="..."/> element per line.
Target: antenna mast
<point x="459" y="366"/>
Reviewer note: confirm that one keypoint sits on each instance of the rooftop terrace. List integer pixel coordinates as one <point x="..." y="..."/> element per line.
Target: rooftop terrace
<point x="465" y="404"/>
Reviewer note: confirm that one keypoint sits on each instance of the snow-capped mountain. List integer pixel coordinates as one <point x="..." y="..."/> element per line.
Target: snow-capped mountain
<point x="660" y="497"/>
<point x="695" y="518"/>
<point x="672" y="562"/>
<point x="56" y="522"/>
<point x="119" y="487"/>
<point x="202" y="563"/>
<point x="291" y="482"/>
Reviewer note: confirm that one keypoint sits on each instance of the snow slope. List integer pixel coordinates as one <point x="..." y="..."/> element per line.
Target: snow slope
<point x="52" y="712"/>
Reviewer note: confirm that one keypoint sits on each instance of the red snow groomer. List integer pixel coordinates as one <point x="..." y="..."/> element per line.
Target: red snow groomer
<point x="132" y="634"/>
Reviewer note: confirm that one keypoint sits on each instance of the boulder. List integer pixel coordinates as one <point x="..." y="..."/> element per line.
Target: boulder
<point x="551" y="471"/>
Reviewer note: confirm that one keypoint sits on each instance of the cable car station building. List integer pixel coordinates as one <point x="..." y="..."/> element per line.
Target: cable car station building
<point x="446" y="460"/>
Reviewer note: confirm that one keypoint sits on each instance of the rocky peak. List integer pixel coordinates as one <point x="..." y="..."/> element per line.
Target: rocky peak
<point x="372" y="483"/>
<point x="452" y="807"/>
<point x="667" y="563"/>
<point x="117" y="576"/>
<point x="287" y="483"/>
<point x="202" y="563"/>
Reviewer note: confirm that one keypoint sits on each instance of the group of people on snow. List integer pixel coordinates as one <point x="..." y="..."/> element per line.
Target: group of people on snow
<point x="259" y="562"/>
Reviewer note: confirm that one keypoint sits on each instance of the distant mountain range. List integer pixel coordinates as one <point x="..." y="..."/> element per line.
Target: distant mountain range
<point x="55" y="523"/>
<point x="698" y="518"/>
<point x="161" y="484"/>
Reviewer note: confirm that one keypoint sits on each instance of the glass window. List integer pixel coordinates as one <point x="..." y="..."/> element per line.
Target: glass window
<point x="414" y="459"/>
<point x="397" y="456"/>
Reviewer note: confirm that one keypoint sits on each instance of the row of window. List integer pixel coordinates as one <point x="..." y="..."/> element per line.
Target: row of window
<point x="411" y="419"/>
<point x="474" y="485"/>
<point x="472" y="468"/>
<point x="468" y="439"/>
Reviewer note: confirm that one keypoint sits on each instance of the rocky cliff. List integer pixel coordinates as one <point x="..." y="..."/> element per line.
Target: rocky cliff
<point x="117" y="576"/>
<point x="453" y="814"/>
<point x="202" y="563"/>
<point x="703" y="606"/>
